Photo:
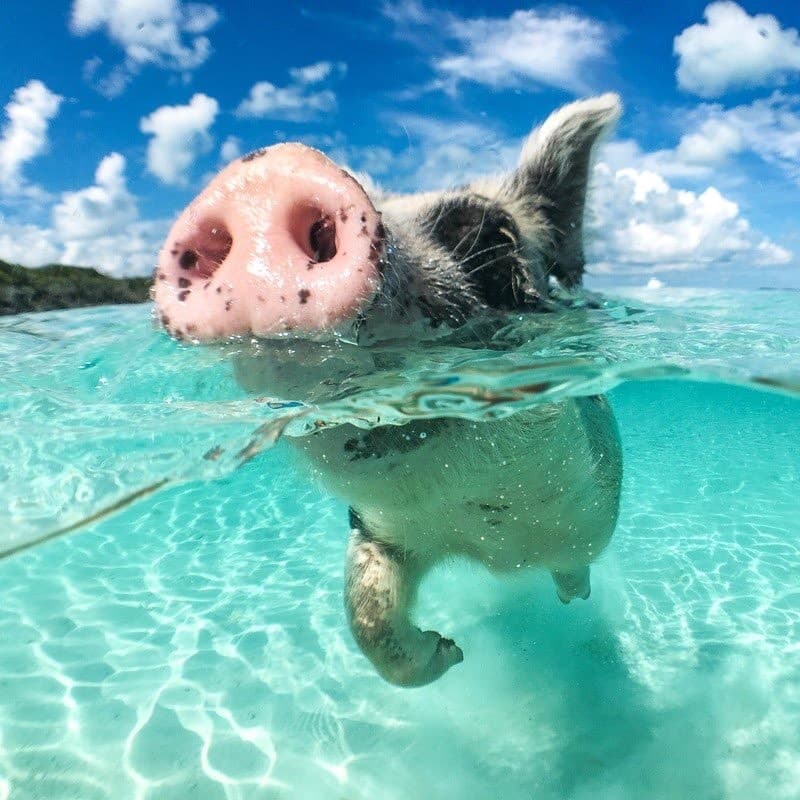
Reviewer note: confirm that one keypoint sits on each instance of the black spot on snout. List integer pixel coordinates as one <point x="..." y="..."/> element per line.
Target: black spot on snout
<point x="303" y="294"/>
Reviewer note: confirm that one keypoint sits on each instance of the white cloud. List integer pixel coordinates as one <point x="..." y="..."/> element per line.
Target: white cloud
<point x="768" y="127"/>
<point x="230" y="150"/>
<point x="291" y="103"/>
<point x="407" y="12"/>
<point x="180" y="134"/>
<point x="314" y="73"/>
<point x="90" y="67"/>
<point x="529" y="49"/>
<point x="295" y="102"/>
<point x="24" y="136"/>
<point x="113" y="83"/>
<point x="638" y="223"/>
<point x="733" y="49"/>
<point x="164" y="33"/>
<point x="132" y="251"/>
<point x="695" y="162"/>
<point x="26" y="244"/>
<point x="540" y="47"/>
<point x="96" y="226"/>
<point x="365" y="164"/>
<point x="97" y="210"/>
<point x="99" y="226"/>
<point x="712" y="143"/>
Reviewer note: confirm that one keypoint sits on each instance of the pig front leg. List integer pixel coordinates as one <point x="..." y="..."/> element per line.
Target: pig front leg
<point x="380" y="584"/>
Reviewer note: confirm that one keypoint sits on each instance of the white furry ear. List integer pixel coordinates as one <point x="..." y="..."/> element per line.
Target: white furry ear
<point x="573" y="128"/>
<point x="554" y="170"/>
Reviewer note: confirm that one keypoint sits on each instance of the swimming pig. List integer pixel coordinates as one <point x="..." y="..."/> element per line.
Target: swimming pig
<point x="284" y="240"/>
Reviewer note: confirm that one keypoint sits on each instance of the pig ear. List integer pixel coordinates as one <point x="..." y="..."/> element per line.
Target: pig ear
<point x="553" y="172"/>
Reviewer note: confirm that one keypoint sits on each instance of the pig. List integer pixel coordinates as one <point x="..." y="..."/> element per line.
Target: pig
<point x="284" y="243"/>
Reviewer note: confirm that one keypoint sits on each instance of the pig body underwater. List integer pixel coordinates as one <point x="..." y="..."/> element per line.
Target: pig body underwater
<point x="283" y="240"/>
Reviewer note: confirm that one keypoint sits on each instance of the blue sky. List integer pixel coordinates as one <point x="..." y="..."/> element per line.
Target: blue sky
<point x="117" y="111"/>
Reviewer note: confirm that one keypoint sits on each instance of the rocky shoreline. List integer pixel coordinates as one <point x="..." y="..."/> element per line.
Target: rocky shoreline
<point x="57" y="286"/>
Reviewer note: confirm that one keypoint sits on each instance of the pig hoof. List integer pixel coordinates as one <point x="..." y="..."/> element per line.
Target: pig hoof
<point x="438" y="655"/>
<point x="449" y="652"/>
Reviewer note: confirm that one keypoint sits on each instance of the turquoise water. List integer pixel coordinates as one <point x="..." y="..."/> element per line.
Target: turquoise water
<point x="193" y="643"/>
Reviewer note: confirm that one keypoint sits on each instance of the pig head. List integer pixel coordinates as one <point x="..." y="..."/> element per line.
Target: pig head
<point x="283" y="240"/>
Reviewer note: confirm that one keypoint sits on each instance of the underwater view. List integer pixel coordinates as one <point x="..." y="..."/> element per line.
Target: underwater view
<point x="191" y="640"/>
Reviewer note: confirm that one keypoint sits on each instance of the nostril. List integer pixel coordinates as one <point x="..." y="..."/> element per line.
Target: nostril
<point x="314" y="232"/>
<point x="322" y="238"/>
<point x="188" y="259"/>
<point x="203" y="252"/>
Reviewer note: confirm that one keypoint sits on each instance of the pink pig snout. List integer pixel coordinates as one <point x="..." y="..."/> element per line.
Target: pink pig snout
<point x="279" y="240"/>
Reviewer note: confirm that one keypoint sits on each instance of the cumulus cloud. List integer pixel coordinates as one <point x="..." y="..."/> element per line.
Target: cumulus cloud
<point x="768" y="127"/>
<point x="712" y="143"/>
<point x="100" y="226"/>
<point x="529" y="49"/>
<point x="295" y="102"/>
<point x="26" y="244"/>
<point x="539" y="47"/>
<point x="638" y="223"/>
<point x="180" y="134"/>
<point x="164" y="33"/>
<point x="24" y="135"/>
<point x="694" y="164"/>
<point x="100" y="209"/>
<point x="291" y="103"/>
<point x="132" y="251"/>
<point x="95" y="226"/>
<point x="733" y="49"/>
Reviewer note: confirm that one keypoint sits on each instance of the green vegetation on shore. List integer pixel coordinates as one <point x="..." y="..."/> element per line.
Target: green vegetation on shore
<point x="56" y="286"/>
